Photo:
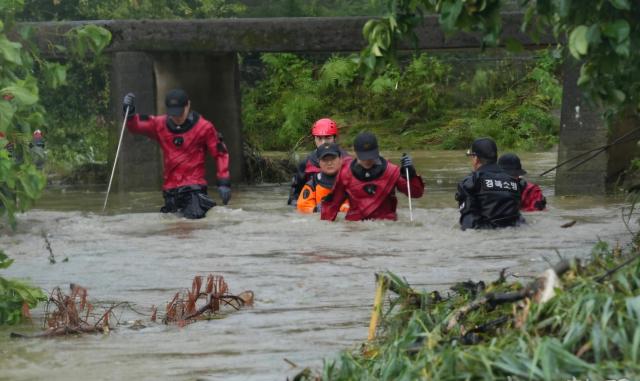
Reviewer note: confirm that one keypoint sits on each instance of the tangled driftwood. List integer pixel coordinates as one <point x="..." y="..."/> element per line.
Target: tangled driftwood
<point x="71" y="314"/>
<point x="198" y="304"/>
<point x="74" y="314"/>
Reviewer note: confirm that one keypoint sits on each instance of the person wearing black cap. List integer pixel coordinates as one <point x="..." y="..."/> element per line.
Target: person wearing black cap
<point x="488" y="198"/>
<point x="184" y="137"/>
<point x="320" y="184"/>
<point x="531" y="199"/>
<point x="370" y="183"/>
<point x="324" y="130"/>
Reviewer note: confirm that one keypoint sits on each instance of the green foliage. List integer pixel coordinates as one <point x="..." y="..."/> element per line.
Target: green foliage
<point x="406" y="107"/>
<point x="16" y="296"/>
<point x="23" y="73"/>
<point x="600" y="34"/>
<point x="589" y="330"/>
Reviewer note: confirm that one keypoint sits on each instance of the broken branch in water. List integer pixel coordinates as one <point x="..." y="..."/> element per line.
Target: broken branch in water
<point x="541" y="288"/>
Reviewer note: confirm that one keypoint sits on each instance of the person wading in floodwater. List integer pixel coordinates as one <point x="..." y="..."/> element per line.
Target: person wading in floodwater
<point x="488" y="198"/>
<point x="316" y="189"/>
<point x="370" y="183"/>
<point x="323" y="130"/>
<point x="184" y="137"/>
<point x="532" y="198"/>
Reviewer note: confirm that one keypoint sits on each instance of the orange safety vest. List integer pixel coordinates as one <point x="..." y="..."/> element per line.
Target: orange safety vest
<point x="314" y="191"/>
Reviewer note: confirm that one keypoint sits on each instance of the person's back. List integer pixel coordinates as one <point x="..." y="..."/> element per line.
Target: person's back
<point x="488" y="197"/>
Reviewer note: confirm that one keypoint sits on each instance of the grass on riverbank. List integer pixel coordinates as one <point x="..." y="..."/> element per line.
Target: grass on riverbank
<point x="590" y="329"/>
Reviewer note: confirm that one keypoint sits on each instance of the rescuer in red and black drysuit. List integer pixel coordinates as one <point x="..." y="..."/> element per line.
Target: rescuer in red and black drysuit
<point x="184" y="137"/>
<point x="488" y="198"/>
<point x="370" y="183"/>
<point x="532" y="198"/>
<point x="324" y="130"/>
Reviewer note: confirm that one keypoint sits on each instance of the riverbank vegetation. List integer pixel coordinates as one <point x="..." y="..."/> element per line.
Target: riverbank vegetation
<point x="431" y="101"/>
<point x="576" y="321"/>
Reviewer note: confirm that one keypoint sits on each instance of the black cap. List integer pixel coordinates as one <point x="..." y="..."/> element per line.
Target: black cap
<point x="176" y="100"/>
<point x="327" y="149"/>
<point x="484" y="148"/>
<point x="510" y="163"/>
<point x="366" y="146"/>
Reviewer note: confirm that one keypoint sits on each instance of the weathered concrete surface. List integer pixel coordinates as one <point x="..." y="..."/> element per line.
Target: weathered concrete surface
<point x="582" y="128"/>
<point x="139" y="164"/>
<point x="213" y="84"/>
<point x="296" y="34"/>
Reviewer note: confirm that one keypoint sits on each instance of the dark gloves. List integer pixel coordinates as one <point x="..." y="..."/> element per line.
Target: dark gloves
<point x="407" y="163"/>
<point x="224" y="189"/>
<point x="129" y="101"/>
<point x="225" y="193"/>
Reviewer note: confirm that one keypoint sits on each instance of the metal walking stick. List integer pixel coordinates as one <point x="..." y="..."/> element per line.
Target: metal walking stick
<point x="115" y="160"/>
<point x="409" y="193"/>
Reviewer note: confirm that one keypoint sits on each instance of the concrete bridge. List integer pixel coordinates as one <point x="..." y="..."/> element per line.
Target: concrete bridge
<point x="151" y="57"/>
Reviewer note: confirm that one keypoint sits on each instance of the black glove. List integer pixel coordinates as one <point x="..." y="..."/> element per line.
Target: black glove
<point x="129" y="101"/>
<point x="407" y="163"/>
<point x="224" y="190"/>
<point x="225" y="193"/>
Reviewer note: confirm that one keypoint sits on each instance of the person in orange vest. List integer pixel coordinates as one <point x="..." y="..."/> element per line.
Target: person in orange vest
<point x="531" y="199"/>
<point x="323" y="130"/>
<point x="320" y="184"/>
<point x="370" y="183"/>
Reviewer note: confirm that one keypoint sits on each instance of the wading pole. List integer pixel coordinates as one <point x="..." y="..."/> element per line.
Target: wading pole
<point x="409" y="194"/>
<point x="115" y="160"/>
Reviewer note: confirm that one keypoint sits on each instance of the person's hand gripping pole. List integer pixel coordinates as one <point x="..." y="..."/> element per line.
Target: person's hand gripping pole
<point x="406" y="165"/>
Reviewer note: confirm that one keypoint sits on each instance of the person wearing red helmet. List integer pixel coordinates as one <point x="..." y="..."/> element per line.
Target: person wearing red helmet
<point x="370" y="183"/>
<point x="184" y="137"/>
<point x="323" y="131"/>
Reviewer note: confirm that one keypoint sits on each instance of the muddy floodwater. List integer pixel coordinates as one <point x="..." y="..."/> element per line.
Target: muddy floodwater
<point x="313" y="280"/>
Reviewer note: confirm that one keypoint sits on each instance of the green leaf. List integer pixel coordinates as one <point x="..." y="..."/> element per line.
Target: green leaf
<point x="21" y="94"/>
<point x="10" y="50"/>
<point x="5" y="261"/>
<point x="578" y="41"/>
<point x="624" y="5"/>
<point x="6" y="114"/>
<point x="564" y="8"/>
<point x="617" y="30"/>
<point x="450" y="12"/>
<point x="593" y="36"/>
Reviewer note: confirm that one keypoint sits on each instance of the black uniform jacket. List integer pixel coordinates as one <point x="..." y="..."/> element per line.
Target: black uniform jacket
<point x="489" y="198"/>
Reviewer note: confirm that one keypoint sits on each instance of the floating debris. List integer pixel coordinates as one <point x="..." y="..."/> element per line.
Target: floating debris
<point x="68" y="314"/>
<point x="198" y="304"/>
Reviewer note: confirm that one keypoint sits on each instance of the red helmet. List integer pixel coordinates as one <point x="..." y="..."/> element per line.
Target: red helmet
<point x="324" y="127"/>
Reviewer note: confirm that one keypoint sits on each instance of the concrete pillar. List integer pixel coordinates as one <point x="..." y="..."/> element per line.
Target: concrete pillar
<point x="140" y="163"/>
<point x="582" y="128"/>
<point x="213" y="84"/>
